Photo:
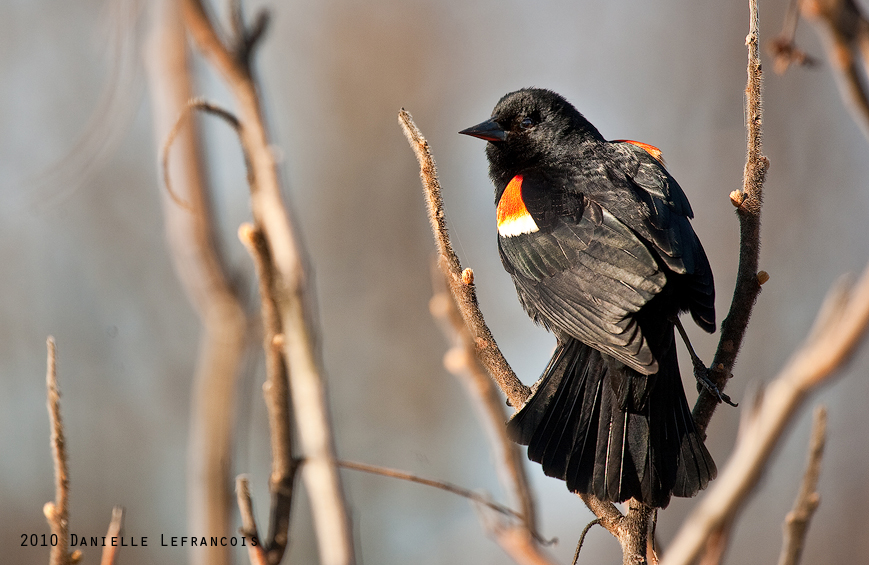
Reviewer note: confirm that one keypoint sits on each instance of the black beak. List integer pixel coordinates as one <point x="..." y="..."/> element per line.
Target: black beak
<point x="488" y="130"/>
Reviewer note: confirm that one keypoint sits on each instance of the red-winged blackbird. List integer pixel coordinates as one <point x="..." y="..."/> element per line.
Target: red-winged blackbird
<point x="597" y="238"/>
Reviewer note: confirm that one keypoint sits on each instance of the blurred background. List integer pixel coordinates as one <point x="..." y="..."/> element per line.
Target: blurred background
<point x="83" y="254"/>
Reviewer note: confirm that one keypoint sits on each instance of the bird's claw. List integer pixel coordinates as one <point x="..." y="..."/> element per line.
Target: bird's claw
<point x="701" y="373"/>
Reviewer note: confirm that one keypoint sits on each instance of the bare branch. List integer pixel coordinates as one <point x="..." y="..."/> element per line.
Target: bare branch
<point x="192" y="242"/>
<point x="784" y="48"/>
<point x="748" y="205"/>
<point x="57" y="512"/>
<point x="838" y="329"/>
<point x="277" y="397"/>
<point x="461" y="282"/>
<point x="291" y="294"/>
<point x="796" y="524"/>
<point x="255" y="551"/>
<point x="844" y="31"/>
<point x="116" y="526"/>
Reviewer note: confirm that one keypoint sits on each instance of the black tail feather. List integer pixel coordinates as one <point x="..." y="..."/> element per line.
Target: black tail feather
<point x="610" y="438"/>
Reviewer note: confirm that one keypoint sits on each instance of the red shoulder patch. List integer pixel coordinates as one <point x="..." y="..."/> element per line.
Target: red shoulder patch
<point x="513" y="216"/>
<point x="650" y="149"/>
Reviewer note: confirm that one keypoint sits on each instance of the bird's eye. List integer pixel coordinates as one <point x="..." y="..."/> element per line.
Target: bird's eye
<point x="527" y="123"/>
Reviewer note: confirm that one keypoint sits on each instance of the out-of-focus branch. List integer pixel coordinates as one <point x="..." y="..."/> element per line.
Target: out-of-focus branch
<point x="839" y="327"/>
<point x="291" y="286"/>
<point x="57" y="512"/>
<point x="748" y="203"/>
<point x="784" y="48"/>
<point x="797" y="521"/>
<point x="518" y="540"/>
<point x="461" y="282"/>
<point x="116" y="525"/>
<point x="193" y="246"/>
<point x="844" y="31"/>
<point x="255" y="551"/>
<point x="277" y="397"/>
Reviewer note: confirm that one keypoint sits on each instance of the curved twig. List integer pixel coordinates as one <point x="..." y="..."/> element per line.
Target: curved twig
<point x="205" y="106"/>
<point x="585" y="530"/>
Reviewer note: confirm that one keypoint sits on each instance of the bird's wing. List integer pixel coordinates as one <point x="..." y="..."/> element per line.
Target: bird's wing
<point x="583" y="274"/>
<point x="663" y="223"/>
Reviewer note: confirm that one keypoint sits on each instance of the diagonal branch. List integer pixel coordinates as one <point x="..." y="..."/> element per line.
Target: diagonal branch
<point x="461" y="282"/>
<point x="838" y="330"/>
<point x="518" y="540"/>
<point x="255" y="552"/>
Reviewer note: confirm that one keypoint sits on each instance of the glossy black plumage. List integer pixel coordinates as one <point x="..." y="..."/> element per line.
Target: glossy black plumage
<point x="597" y="237"/>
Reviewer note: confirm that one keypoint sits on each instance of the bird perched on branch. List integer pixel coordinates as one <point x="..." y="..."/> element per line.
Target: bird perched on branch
<point x="597" y="238"/>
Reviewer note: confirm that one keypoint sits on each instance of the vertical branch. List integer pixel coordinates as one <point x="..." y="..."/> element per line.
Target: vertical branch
<point x="57" y="512"/>
<point x="797" y="521"/>
<point x="277" y="397"/>
<point x="116" y="525"/>
<point x="255" y="551"/>
<point x="192" y="243"/>
<point x="748" y="203"/>
<point x="291" y="286"/>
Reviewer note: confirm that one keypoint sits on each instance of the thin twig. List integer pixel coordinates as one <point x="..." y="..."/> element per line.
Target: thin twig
<point x="442" y="485"/>
<point x="57" y="512"/>
<point x="796" y="524"/>
<point x="292" y="294"/>
<point x="277" y="397"/>
<point x="461" y="282"/>
<point x="255" y="551"/>
<point x="585" y="530"/>
<point x="204" y="106"/>
<point x="116" y="526"/>
<point x="748" y="203"/>
<point x="839" y="328"/>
